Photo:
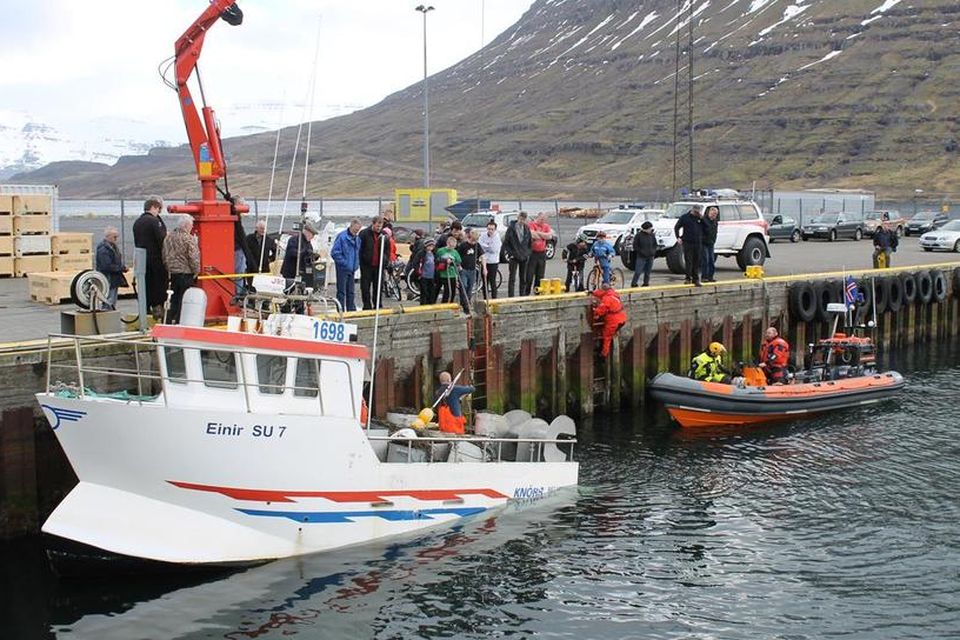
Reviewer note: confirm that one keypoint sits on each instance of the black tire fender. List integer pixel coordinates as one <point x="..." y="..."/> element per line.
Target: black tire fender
<point x="894" y="294"/>
<point x="827" y="291"/>
<point x="939" y="285"/>
<point x="924" y="287"/>
<point x="803" y="301"/>
<point x="883" y="294"/>
<point x="909" y="284"/>
<point x="865" y="286"/>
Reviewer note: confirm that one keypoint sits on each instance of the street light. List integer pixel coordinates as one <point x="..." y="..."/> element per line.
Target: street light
<point x="424" y="9"/>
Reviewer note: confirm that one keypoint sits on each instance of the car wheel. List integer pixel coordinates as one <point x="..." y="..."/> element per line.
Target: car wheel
<point x="956" y="246"/>
<point x="551" y="250"/>
<point x="833" y="235"/>
<point x="795" y="236"/>
<point x="858" y="235"/>
<point x="753" y="253"/>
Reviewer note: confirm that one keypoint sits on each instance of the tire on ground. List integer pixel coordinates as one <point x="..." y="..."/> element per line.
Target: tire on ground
<point x="924" y="287"/>
<point x="675" y="261"/>
<point x="939" y="285"/>
<point x="803" y="301"/>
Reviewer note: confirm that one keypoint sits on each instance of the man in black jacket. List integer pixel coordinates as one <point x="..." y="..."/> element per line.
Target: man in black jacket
<point x="576" y="256"/>
<point x="262" y="248"/>
<point x="708" y="266"/>
<point x="370" y="264"/>
<point x="149" y="232"/>
<point x="689" y="231"/>
<point x="517" y="245"/>
<point x="644" y="251"/>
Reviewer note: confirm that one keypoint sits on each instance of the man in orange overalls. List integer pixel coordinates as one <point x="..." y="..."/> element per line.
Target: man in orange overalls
<point x="608" y="309"/>
<point x="774" y="356"/>
<point x="449" y="412"/>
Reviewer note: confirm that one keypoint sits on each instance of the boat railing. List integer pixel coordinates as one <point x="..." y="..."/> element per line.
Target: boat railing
<point x="146" y="378"/>
<point x="488" y="445"/>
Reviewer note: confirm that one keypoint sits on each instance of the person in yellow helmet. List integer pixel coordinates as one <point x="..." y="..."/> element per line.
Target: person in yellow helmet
<point x="708" y="366"/>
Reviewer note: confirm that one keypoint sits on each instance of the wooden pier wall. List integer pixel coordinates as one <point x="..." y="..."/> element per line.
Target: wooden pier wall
<point x="539" y="354"/>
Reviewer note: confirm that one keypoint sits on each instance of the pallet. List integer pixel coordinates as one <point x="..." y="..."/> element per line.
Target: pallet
<point x="6" y="205"/>
<point x="6" y="245"/>
<point x="32" y="205"/>
<point x="6" y="266"/>
<point x="6" y="224"/>
<point x="71" y="243"/>
<point x="50" y="287"/>
<point x="37" y="245"/>
<point x="72" y="262"/>
<point x="40" y="224"/>
<point x="30" y="264"/>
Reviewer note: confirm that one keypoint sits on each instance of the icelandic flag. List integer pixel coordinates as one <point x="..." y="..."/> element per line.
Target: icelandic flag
<point x="851" y="295"/>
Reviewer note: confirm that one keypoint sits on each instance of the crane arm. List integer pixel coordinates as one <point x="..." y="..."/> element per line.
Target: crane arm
<point x="202" y="130"/>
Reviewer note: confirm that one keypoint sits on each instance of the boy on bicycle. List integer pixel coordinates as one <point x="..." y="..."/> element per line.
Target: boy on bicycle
<point x="576" y="255"/>
<point x="603" y="251"/>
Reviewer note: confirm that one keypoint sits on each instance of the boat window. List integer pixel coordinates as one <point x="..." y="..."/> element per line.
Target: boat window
<point x="336" y="389"/>
<point x="306" y="381"/>
<point x="176" y="365"/>
<point x="219" y="369"/>
<point x="271" y="374"/>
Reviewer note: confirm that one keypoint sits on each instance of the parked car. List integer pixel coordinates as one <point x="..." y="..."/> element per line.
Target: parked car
<point x="832" y="226"/>
<point x="741" y="232"/>
<point x="783" y="228"/>
<point x="926" y="221"/>
<point x="891" y="219"/>
<point x="479" y="220"/>
<point x="617" y="223"/>
<point x="946" y="238"/>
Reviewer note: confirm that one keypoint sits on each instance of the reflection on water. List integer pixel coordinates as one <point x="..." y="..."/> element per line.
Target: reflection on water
<point x="844" y="525"/>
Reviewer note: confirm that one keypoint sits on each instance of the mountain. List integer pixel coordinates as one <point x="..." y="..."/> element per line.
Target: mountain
<point x="576" y="99"/>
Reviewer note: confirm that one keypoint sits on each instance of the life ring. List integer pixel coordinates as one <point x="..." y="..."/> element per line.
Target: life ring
<point x="803" y="301"/>
<point x="924" y="287"/>
<point x="939" y="285"/>
<point x="894" y="294"/>
<point x="827" y="291"/>
<point x="882" y="295"/>
<point x="909" y="284"/>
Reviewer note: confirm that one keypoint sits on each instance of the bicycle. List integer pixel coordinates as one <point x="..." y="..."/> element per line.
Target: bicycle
<point x="595" y="278"/>
<point x="393" y="281"/>
<point x="575" y="277"/>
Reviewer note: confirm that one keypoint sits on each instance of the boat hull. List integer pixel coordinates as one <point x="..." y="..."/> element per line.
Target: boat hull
<point x="207" y="487"/>
<point x="693" y="403"/>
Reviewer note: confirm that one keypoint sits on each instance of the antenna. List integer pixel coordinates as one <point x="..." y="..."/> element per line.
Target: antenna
<point x="683" y="176"/>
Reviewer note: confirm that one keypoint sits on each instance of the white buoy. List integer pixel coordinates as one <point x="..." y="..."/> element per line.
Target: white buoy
<point x="193" y="309"/>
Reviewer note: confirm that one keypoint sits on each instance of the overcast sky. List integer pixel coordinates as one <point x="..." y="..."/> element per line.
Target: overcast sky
<point x="72" y="62"/>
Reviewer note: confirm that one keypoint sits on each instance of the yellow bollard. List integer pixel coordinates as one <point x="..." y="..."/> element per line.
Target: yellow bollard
<point x="754" y="271"/>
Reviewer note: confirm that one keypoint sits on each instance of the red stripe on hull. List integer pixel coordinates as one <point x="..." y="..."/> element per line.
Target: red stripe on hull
<point x="259" y="341"/>
<point x="267" y="495"/>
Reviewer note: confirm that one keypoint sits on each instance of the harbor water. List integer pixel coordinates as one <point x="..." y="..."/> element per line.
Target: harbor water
<point x="845" y="525"/>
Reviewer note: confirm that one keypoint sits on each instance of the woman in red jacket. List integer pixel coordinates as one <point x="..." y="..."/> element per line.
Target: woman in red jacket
<point x="608" y="309"/>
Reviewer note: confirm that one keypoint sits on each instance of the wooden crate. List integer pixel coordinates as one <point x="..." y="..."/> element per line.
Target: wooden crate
<point x="6" y="266"/>
<point x="6" y="225"/>
<point x="127" y="291"/>
<point x="6" y="245"/>
<point x="6" y="205"/>
<point x="32" y="204"/>
<point x="30" y="264"/>
<point x="72" y="262"/>
<point x="31" y="245"/>
<point x="50" y="287"/>
<point x="71" y="243"/>
<point x="27" y="224"/>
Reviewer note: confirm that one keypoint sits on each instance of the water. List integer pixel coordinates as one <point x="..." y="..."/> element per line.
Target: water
<point x="842" y="526"/>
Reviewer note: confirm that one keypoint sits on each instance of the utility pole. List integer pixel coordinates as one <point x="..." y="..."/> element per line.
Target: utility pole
<point x="683" y="175"/>
<point x="425" y="9"/>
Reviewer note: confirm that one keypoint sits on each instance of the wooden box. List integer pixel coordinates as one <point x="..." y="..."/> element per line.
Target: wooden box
<point x="6" y="205"/>
<point x="50" y="287"/>
<point x="6" y="225"/>
<point x="31" y="245"/>
<point x="33" y="204"/>
<point x="30" y="264"/>
<point x="72" y="262"/>
<point x="6" y="266"/>
<point x="27" y="224"/>
<point x="6" y="245"/>
<point x="71" y="243"/>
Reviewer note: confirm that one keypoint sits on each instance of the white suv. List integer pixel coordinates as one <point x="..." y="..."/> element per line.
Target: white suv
<point x="741" y="232"/>
<point x="479" y="219"/>
<point x="617" y="224"/>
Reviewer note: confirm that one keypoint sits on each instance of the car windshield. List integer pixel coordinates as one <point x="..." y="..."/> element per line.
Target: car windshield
<point x="616" y="217"/>
<point x="925" y="215"/>
<point x="476" y="220"/>
<point x="677" y="209"/>
<point x="953" y="225"/>
<point x="825" y="218"/>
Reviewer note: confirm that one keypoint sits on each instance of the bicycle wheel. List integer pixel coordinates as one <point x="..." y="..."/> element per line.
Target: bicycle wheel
<point x="499" y="279"/>
<point x="594" y="278"/>
<point x="616" y="278"/>
<point x="413" y="283"/>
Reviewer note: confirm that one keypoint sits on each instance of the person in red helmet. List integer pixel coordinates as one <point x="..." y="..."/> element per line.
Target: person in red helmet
<point x="608" y="309"/>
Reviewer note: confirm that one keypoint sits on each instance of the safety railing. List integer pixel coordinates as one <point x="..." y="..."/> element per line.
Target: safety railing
<point x="534" y="452"/>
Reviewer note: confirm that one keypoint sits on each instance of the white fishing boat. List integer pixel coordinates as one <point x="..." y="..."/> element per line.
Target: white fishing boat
<point x="246" y="446"/>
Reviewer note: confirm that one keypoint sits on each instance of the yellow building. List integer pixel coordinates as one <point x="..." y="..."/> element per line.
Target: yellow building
<point x="423" y="205"/>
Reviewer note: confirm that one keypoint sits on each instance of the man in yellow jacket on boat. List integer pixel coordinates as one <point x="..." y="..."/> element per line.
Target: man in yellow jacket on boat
<point x="708" y="366"/>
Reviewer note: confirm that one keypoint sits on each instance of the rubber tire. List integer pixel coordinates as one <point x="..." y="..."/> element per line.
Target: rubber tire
<point x="675" y="260"/>
<point x="858" y="235"/>
<point x="865" y="287"/>
<point x="753" y="253"/>
<point x="795" y="236"/>
<point x="833" y="235"/>
<point x="551" y="250"/>
<point x="628" y="259"/>
<point x="909" y="285"/>
<point x="939" y="285"/>
<point x="827" y="291"/>
<point x="803" y="301"/>
<point x="956" y="246"/>
<point x="883" y="294"/>
<point x="924" y="287"/>
<point x="413" y="285"/>
<point x="88" y="278"/>
<point x="894" y="294"/>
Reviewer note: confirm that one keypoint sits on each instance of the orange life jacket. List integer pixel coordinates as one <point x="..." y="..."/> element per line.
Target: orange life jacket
<point x="776" y="352"/>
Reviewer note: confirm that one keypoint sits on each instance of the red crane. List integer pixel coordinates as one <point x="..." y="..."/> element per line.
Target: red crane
<point x="214" y="218"/>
